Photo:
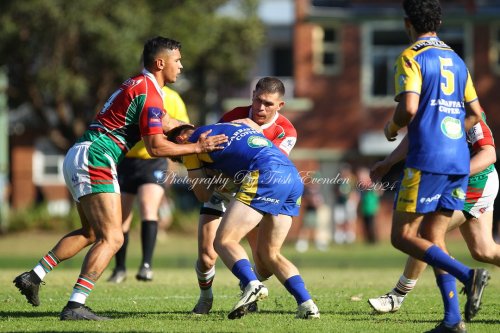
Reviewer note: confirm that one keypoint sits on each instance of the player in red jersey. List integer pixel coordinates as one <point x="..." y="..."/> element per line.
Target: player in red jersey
<point x="135" y="110"/>
<point x="263" y="116"/>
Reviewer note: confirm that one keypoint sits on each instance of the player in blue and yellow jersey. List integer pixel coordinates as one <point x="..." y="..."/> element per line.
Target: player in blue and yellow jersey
<point x="438" y="103"/>
<point x="263" y="114"/>
<point x="270" y="193"/>
<point x="475" y="220"/>
<point x="133" y="111"/>
<point x="142" y="176"/>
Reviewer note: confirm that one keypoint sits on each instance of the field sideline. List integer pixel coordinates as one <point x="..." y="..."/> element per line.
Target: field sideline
<point x="340" y="281"/>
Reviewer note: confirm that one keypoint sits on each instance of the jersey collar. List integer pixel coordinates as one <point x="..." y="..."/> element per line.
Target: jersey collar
<point x="429" y="38"/>
<point x="153" y="79"/>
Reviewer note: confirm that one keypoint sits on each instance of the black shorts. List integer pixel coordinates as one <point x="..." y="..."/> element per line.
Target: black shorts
<point x="134" y="172"/>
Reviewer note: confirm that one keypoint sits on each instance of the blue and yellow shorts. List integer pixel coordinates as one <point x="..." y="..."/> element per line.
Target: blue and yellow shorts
<point x="424" y="192"/>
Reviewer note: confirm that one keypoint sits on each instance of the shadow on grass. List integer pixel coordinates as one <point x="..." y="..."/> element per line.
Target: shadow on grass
<point x="27" y="314"/>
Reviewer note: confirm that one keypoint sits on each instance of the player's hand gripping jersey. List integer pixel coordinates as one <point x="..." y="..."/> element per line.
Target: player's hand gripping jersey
<point x="433" y="70"/>
<point x="280" y="130"/>
<point x="269" y="180"/>
<point x="134" y="110"/>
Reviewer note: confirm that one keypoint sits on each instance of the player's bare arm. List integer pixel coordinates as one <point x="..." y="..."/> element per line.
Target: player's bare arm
<point x="482" y="159"/>
<point x="405" y="111"/>
<point x="167" y="123"/>
<point x="472" y="114"/>
<point x="381" y="168"/>
<point x="249" y="122"/>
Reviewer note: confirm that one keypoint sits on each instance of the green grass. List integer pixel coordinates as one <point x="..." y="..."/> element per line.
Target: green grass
<point x="340" y="281"/>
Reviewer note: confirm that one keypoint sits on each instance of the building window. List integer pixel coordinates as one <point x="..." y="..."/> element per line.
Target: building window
<point x="47" y="164"/>
<point x="495" y="48"/>
<point x="282" y="60"/>
<point x="326" y="50"/>
<point x="382" y="42"/>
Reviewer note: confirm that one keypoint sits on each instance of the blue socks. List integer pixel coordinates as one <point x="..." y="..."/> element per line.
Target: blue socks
<point x="295" y="286"/>
<point x="448" y="287"/>
<point x="242" y="269"/>
<point x="436" y="257"/>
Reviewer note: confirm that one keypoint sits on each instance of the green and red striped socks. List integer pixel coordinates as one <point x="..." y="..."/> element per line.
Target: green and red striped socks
<point x="82" y="289"/>
<point x="46" y="264"/>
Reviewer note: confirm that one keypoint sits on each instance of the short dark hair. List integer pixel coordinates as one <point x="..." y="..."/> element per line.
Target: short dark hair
<point x="154" y="46"/>
<point x="424" y="15"/>
<point x="271" y="85"/>
<point x="174" y="132"/>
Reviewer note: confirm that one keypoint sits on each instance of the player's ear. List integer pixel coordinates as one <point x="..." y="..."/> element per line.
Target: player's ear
<point x="160" y="63"/>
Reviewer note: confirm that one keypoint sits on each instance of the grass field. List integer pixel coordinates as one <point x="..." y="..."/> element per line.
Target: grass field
<point x="340" y="281"/>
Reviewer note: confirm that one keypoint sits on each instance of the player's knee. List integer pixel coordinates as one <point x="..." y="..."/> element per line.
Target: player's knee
<point x="89" y="234"/>
<point x="397" y="240"/>
<point x="268" y="255"/>
<point x="115" y="241"/>
<point x="219" y="244"/>
<point x="482" y="254"/>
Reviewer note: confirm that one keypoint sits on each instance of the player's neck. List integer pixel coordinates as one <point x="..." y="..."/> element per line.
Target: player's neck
<point x="424" y="35"/>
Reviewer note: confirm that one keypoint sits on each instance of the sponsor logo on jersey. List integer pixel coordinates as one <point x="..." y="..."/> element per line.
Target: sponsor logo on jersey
<point x="452" y="128"/>
<point x="282" y="133"/>
<point x="458" y="193"/>
<point x="476" y="133"/>
<point x="288" y="144"/>
<point x="431" y="199"/>
<point x="409" y="201"/>
<point x="258" y="142"/>
<point x="131" y="82"/>
<point x="154" y="117"/>
<point x="429" y="42"/>
<point x="266" y="199"/>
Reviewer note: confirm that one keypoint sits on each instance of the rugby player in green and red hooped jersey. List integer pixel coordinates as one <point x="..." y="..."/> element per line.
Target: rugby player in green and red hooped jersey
<point x="475" y="220"/>
<point x="135" y="110"/>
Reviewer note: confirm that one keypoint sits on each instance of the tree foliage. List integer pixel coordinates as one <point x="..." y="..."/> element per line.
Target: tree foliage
<point x="64" y="58"/>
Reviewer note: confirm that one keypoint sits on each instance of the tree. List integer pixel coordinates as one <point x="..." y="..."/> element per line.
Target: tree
<point x="64" y="58"/>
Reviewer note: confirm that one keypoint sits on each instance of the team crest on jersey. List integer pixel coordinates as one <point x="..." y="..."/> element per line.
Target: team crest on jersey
<point x="154" y="117"/>
<point x="258" y="142"/>
<point x="452" y="128"/>
<point x="131" y="82"/>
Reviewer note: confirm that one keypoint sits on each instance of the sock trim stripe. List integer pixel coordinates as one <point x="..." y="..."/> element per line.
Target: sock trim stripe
<point x="80" y="290"/>
<point x="84" y="283"/>
<point x="205" y="284"/>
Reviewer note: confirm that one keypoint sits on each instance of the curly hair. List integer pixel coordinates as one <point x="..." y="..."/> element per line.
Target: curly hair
<point x="424" y="15"/>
